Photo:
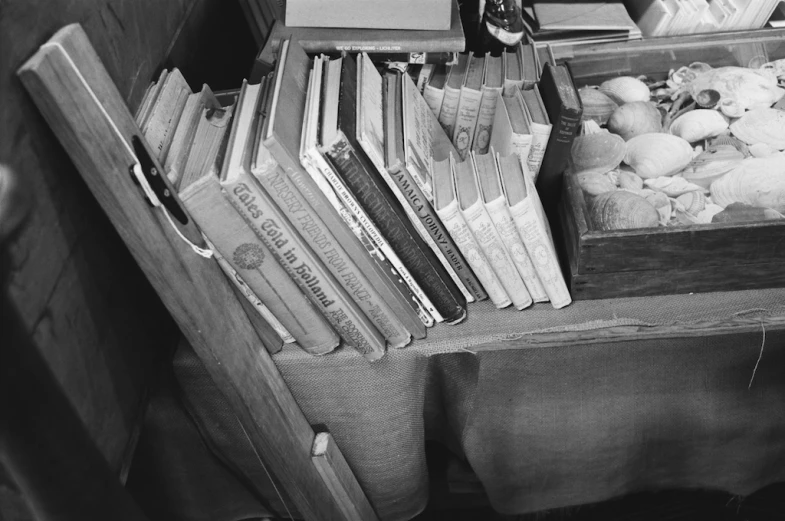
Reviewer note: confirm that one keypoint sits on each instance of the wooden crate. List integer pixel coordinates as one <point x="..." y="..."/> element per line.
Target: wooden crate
<point x="672" y="260"/>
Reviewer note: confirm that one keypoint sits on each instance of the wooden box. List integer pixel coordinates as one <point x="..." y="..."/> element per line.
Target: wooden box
<point x="667" y="260"/>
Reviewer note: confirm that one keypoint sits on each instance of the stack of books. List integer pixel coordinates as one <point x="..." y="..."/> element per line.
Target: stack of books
<point x="334" y="199"/>
<point x="579" y="21"/>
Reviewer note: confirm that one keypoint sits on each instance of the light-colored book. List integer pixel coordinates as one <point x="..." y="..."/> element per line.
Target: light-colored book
<point x="434" y="89"/>
<point x="540" y="127"/>
<point x="446" y="206"/>
<point x="513" y="69"/>
<point x="469" y="106"/>
<point x="159" y="127"/>
<point x="485" y="233"/>
<point x="511" y="130"/>
<point x="185" y="131"/>
<point x="529" y="216"/>
<point x="452" y="94"/>
<point x="496" y="204"/>
<point x="492" y="84"/>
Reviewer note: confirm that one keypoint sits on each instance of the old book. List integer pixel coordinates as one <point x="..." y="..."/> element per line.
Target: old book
<point x="423" y="15"/>
<point x="339" y="143"/>
<point x="434" y="90"/>
<point x="276" y="164"/>
<point x="246" y="254"/>
<point x="421" y="137"/>
<point x="492" y="195"/>
<point x="446" y="206"/>
<point x="511" y="130"/>
<point x="423" y="75"/>
<point x="476" y="216"/>
<point x="452" y="94"/>
<point x="564" y="111"/>
<point x="143" y="113"/>
<point x="492" y="84"/>
<point x="531" y="65"/>
<point x="513" y="69"/>
<point x="527" y="212"/>
<point x="287" y="246"/>
<point x="159" y="127"/>
<point x="185" y="131"/>
<point x="469" y="105"/>
<point x="540" y="127"/>
<point x="210" y="130"/>
<point x="321" y="170"/>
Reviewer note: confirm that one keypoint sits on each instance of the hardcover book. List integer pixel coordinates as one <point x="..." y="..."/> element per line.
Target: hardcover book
<point x="284" y="242"/>
<point x="424" y="15"/>
<point x="469" y="105"/>
<point x="339" y="143"/>
<point x="529" y="216"/>
<point x="511" y="130"/>
<point x="160" y="123"/>
<point x="434" y="89"/>
<point x="513" y="69"/>
<point x="492" y="84"/>
<point x="540" y="126"/>
<point x="452" y="94"/>
<point x="276" y="165"/>
<point x="446" y="206"/>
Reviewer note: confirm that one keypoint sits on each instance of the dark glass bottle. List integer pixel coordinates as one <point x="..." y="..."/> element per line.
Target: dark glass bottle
<point x="501" y="26"/>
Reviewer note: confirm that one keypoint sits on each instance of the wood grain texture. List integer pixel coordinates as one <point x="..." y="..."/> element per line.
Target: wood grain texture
<point x="220" y="332"/>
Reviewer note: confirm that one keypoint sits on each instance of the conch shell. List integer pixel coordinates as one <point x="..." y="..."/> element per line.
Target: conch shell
<point x="699" y="124"/>
<point x="657" y="154"/>
<point x="755" y="181"/>
<point x="635" y="118"/>
<point x="763" y="125"/>
<point x="625" y="89"/>
<point x="596" y="105"/>
<point x="740" y="88"/>
<point x="599" y="152"/>
<point x="621" y="210"/>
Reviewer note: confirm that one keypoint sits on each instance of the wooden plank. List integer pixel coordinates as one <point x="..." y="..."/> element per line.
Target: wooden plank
<point x="192" y="288"/>
<point x="338" y="477"/>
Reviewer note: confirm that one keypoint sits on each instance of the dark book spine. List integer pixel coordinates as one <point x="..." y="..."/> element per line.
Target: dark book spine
<point x="377" y="200"/>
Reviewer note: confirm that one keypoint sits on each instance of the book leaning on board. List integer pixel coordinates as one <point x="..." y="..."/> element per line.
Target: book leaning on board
<point x="469" y="105"/>
<point x="446" y="206"/>
<point x="276" y="165"/>
<point x="540" y="125"/>
<point x="343" y="200"/>
<point x="481" y="225"/>
<point x="416" y="140"/>
<point x="492" y="84"/>
<point x="529" y="216"/>
<point x="338" y="141"/>
<point x="490" y="186"/>
<point x="251" y="201"/>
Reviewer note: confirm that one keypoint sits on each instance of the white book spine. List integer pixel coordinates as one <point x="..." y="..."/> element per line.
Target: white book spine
<point x="500" y="215"/>
<point x="520" y="145"/>
<point x="539" y="140"/>
<point x="428" y="312"/>
<point x="539" y="244"/>
<point x="449" y="111"/>
<point x="490" y="241"/>
<point x="433" y="97"/>
<point x="459" y="231"/>
<point x="484" y="128"/>
<point x="466" y="120"/>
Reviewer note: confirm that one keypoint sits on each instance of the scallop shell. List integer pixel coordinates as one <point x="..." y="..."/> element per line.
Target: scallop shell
<point x="694" y="202"/>
<point x="630" y="181"/>
<point x="699" y="124"/>
<point x="595" y="183"/>
<point x="657" y="154"/>
<point x="598" y="152"/>
<point x="755" y="181"/>
<point x="625" y="89"/>
<point x="764" y="125"/>
<point x="635" y="118"/>
<point x="740" y="88"/>
<point x="620" y="210"/>
<point x="596" y="105"/>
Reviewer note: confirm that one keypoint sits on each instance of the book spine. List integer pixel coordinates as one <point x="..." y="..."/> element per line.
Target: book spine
<point x="557" y="152"/>
<point x="303" y="267"/>
<point x="540" y="135"/>
<point x="466" y="120"/>
<point x="399" y="231"/>
<point x="521" y="145"/>
<point x="490" y="241"/>
<point x="247" y="254"/>
<point x="539" y="244"/>
<point x="298" y="200"/>
<point x="456" y="226"/>
<point x="433" y="231"/>
<point x="487" y="112"/>
<point x="500" y="215"/>
<point x="422" y="303"/>
<point x="433" y="97"/>
<point x="449" y="111"/>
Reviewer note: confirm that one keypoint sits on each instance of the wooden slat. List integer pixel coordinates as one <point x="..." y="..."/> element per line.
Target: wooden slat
<point x="192" y="288"/>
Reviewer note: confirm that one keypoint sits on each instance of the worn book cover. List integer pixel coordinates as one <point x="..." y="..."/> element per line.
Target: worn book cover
<point x="469" y="105"/>
<point x="423" y="15"/>
<point x="159" y="127"/>
<point x="540" y="127"/>
<point x="511" y="130"/>
<point x="433" y="92"/>
<point x="452" y="94"/>
<point x="492" y="84"/>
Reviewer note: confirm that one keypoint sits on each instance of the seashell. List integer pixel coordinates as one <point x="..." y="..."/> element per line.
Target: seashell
<point x="621" y="210"/>
<point x="657" y="154"/>
<point x="699" y="67"/>
<point x="740" y="88"/>
<point x="763" y="125"/>
<point x="708" y="98"/>
<point x="777" y="67"/>
<point x="754" y="181"/>
<point x="635" y="118"/>
<point x="671" y="186"/>
<point x="705" y="216"/>
<point x="596" y="105"/>
<point x="662" y="203"/>
<point x="594" y="183"/>
<point x="625" y="89"/>
<point x="630" y="181"/>
<point x="599" y="152"/>
<point x="727" y="139"/>
<point x="699" y="124"/>
<point x="762" y="150"/>
<point x="711" y="164"/>
<point x="742" y="213"/>
<point x="694" y="202"/>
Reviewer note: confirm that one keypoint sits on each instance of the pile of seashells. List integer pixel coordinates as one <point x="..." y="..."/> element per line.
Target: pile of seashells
<point x="704" y="146"/>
